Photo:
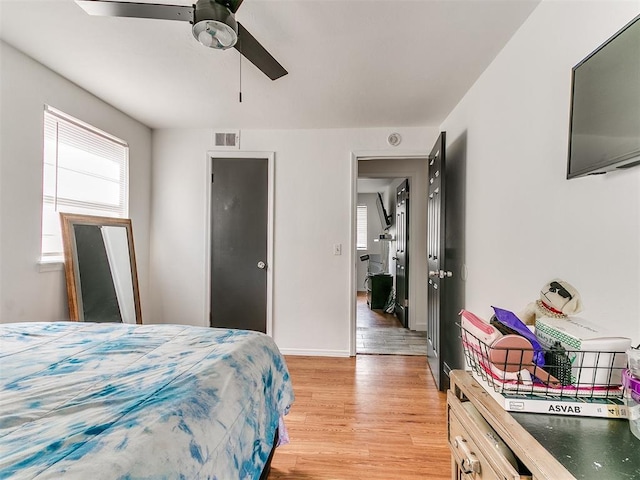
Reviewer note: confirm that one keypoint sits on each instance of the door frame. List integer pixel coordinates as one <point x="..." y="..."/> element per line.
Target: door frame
<point x="270" y="157"/>
<point x="356" y="156"/>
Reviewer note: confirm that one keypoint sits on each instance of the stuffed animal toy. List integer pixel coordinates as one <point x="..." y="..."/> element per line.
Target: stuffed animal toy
<point x="558" y="299"/>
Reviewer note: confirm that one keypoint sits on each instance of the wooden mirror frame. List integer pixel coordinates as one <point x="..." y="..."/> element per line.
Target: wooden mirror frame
<point x="68" y="222"/>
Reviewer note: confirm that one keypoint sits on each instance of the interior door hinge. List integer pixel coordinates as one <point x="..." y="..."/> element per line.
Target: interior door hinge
<point x="212" y="178"/>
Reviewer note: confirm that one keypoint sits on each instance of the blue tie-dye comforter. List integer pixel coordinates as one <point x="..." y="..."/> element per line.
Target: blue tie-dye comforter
<point x="117" y="401"/>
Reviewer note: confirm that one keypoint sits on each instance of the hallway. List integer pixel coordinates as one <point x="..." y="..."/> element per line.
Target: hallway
<point x="382" y="334"/>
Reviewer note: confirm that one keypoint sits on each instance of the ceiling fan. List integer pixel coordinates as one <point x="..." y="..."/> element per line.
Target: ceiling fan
<point x="213" y="25"/>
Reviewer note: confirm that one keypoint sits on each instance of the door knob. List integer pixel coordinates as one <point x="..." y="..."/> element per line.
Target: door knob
<point x="440" y="273"/>
<point x="262" y="265"/>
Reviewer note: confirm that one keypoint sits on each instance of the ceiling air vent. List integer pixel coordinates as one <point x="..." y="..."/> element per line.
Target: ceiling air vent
<point x="227" y="140"/>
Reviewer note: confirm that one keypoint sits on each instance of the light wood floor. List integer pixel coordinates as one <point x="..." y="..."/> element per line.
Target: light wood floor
<point x="369" y="417"/>
<point x="382" y="333"/>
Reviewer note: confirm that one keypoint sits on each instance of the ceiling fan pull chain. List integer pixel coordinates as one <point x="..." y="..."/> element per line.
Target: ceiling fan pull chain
<point x="240" y="74"/>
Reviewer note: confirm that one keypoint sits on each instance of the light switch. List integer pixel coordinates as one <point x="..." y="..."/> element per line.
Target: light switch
<point x="337" y="249"/>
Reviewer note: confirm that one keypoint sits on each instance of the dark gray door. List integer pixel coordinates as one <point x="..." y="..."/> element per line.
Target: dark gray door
<point x="435" y="254"/>
<point x="402" y="253"/>
<point x="239" y="216"/>
<point x="445" y="258"/>
<point x="452" y="298"/>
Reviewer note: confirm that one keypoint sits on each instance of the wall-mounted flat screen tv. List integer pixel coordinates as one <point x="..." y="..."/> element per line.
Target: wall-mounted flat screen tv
<point x="605" y="106"/>
<point x="385" y="220"/>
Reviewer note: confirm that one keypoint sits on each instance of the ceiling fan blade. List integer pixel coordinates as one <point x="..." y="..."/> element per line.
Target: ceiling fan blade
<point x="248" y="46"/>
<point x="232" y="5"/>
<point x="137" y="10"/>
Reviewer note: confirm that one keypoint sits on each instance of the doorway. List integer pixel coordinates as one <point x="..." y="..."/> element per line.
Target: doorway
<point x="394" y="170"/>
<point x="240" y="247"/>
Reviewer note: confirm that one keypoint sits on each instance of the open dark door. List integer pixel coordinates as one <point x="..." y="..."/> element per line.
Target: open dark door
<point x="239" y="220"/>
<point x="435" y="255"/>
<point x="445" y="258"/>
<point x="452" y="298"/>
<point x="402" y="253"/>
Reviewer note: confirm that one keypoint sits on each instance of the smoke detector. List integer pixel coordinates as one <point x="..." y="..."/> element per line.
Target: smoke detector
<point x="394" y="139"/>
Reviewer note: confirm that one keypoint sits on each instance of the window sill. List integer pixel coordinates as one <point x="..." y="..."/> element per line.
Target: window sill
<point x="50" y="265"/>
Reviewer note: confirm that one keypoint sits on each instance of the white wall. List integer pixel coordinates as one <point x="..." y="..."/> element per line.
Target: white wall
<point x="312" y="287"/>
<point x="26" y="294"/>
<point x="525" y="223"/>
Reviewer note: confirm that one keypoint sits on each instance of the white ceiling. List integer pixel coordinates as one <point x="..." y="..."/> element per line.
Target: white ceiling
<point x="373" y="185"/>
<point x="351" y="63"/>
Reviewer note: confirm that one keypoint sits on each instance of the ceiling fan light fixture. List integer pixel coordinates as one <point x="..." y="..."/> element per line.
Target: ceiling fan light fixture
<point x="214" y="25"/>
<point x="214" y="34"/>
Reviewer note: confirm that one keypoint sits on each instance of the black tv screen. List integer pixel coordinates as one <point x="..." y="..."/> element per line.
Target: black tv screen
<point x="385" y="220"/>
<point x="605" y="106"/>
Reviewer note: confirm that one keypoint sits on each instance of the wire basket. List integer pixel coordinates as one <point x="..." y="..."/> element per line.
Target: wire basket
<point x="556" y="373"/>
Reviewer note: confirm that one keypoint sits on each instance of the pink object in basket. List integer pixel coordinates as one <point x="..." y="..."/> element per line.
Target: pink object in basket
<point x="513" y="353"/>
<point x="477" y="327"/>
<point x="477" y="337"/>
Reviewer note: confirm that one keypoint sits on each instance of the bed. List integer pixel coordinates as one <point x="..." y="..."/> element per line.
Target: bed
<point x="117" y="401"/>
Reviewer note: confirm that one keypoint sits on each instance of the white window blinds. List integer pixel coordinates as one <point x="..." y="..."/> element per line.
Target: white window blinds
<point x="361" y="227"/>
<point x="85" y="171"/>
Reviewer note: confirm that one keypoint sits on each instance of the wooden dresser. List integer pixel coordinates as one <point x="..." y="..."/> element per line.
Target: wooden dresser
<point x="490" y="443"/>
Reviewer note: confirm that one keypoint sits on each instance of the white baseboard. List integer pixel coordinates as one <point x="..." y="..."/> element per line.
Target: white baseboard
<point x="315" y="353"/>
<point x="420" y="327"/>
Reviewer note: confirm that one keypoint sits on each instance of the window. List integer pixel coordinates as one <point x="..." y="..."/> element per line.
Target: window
<point x="85" y="171"/>
<point x="361" y="227"/>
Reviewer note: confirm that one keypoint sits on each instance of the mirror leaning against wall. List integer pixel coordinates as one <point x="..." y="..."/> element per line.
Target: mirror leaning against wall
<point x="100" y="269"/>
